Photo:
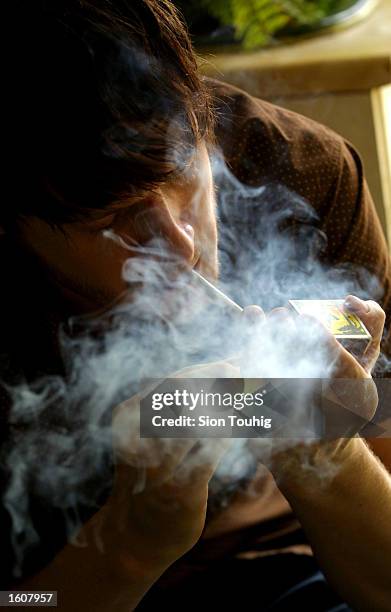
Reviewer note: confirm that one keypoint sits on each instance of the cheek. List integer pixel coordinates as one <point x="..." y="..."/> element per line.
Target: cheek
<point x="80" y="257"/>
<point x="96" y="257"/>
<point x="206" y="240"/>
<point x="210" y="221"/>
<point x="203" y="210"/>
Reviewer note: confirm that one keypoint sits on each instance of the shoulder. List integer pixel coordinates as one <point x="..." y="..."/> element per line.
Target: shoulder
<point x="263" y="142"/>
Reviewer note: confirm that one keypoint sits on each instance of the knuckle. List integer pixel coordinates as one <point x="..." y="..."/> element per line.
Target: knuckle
<point x="376" y="309"/>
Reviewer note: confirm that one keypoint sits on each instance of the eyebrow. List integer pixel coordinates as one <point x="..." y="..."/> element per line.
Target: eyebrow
<point x="116" y="206"/>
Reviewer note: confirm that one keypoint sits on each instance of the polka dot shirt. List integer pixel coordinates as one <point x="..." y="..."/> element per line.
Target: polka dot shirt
<point x="263" y="143"/>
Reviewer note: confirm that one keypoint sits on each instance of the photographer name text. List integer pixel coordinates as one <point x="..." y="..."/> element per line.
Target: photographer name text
<point x="208" y="421"/>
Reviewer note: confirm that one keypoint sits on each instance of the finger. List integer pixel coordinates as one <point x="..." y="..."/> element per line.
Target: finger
<point x="250" y="332"/>
<point x="280" y="313"/>
<point x="254" y="314"/>
<point x="282" y="319"/>
<point x="200" y="464"/>
<point x="158" y="456"/>
<point x="341" y="363"/>
<point x="370" y="313"/>
<point x="318" y="333"/>
<point x="349" y="384"/>
<point x="214" y="369"/>
<point x="373" y="317"/>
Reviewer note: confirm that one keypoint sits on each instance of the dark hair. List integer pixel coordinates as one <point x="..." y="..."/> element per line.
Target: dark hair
<point x="108" y="103"/>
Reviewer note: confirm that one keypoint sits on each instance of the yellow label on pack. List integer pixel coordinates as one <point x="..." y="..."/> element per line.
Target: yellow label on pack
<point x="331" y="313"/>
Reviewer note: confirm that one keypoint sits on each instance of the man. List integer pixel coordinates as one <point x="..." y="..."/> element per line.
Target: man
<point x="117" y="124"/>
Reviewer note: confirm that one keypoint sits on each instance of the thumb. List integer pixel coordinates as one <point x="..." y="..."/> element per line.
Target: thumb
<point x="201" y="462"/>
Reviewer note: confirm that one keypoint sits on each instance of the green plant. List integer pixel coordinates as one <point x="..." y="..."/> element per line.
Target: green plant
<point x="256" y="21"/>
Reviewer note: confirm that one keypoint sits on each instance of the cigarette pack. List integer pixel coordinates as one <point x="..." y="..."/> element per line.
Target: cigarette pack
<point x="347" y="327"/>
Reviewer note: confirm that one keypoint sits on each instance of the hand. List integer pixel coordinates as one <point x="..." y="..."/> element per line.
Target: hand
<point x="373" y="317"/>
<point x="157" y="509"/>
<point x="351" y="389"/>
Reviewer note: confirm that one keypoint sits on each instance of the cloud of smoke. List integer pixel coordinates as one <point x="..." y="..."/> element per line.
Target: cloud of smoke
<point x="61" y="447"/>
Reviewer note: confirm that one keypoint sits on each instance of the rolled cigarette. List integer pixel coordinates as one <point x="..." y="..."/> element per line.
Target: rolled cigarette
<point x="215" y="293"/>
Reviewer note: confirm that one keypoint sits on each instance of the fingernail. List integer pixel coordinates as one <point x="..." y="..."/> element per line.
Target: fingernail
<point x="254" y="314"/>
<point x="354" y="303"/>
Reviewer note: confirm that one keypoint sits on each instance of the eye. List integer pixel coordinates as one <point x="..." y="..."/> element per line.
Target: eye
<point x="132" y="216"/>
<point x="102" y="223"/>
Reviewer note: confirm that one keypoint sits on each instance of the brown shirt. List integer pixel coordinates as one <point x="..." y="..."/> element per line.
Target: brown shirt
<point x="264" y="143"/>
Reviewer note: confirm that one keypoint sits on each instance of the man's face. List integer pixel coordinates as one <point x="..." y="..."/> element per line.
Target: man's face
<point x="86" y="265"/>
